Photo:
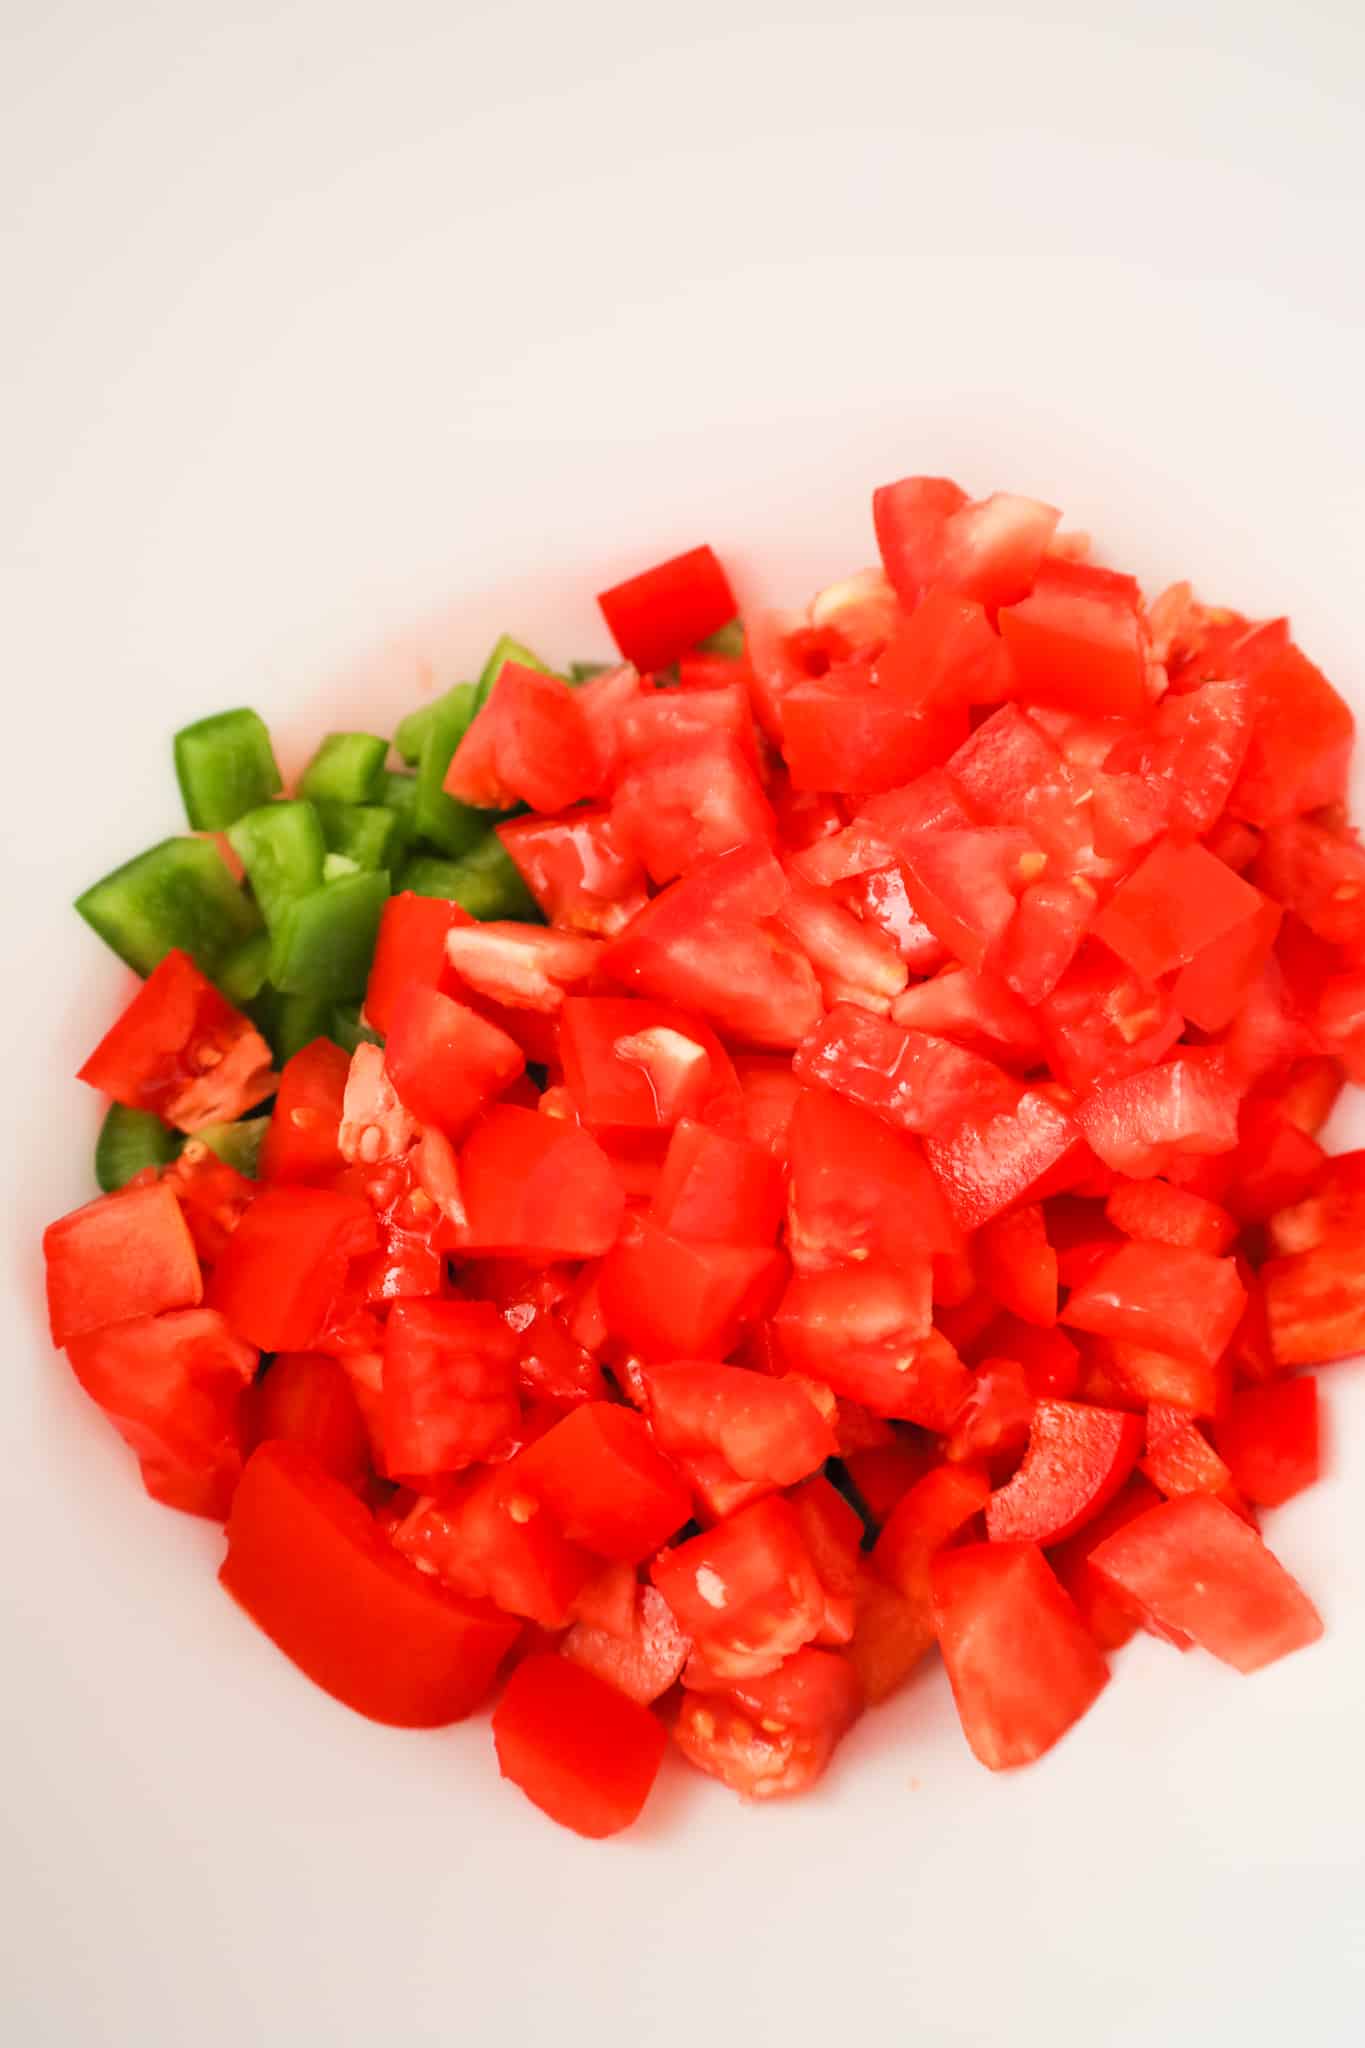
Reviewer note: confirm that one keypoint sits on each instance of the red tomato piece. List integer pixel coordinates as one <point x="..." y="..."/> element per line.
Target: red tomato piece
<point x="302" y="1138"/>
<point x="520" y="965"/>
<point x="213" y="1196"/>
<point x="718" y="1189"/>
<point x="855" y="962"/>
<point x="865" y="1331"/>
<point x="1049" y="925"/>
<point x="977" y="1012"/>
<point x="445" y="1061"/>
<point x="884" y="1473"/>
<point x="811" y="1692"/>
<point x="1190" y="754"/>
<point x="450" y="1386"/>
<point x="1162" y="1214"/>
<point x="411" y="947"/>
<point x="859" y="730"/>
<point x="284" y="1267"/>
<point x="746" y="1592"/>
<point x="1101" y="1021"/>
<point x="712" y="702"/>
<point x="174" y="1386"/>
<point x="1011" y="774"/>
<point x="1300" y="746"/>
<point x="996" y="1157"/>
<point x="182" y="1052"/>
<point x="966" y="884"/>
<point x="1319" y="874"/>
<point x="1140" y="1123"/>
<point x="1315" y="1303"/>
<point x="919" y="1083"/>
<point x="578" y="870"/>
<point x="669" y="1297"/>
<point x="1178" y="902"/>
<point x="579" y="1749"/>
<point x="764" y="1428"/>
<point x="858" y="1188"/>
<point x="604" y="1479"/>
<point x="932" y="537"/>
<point x="633" y="1065"/>
<point x="663" y="612"/>
<point x="1194" y="1566"/>
<point x="1077" y="1459"/>
<point x="125" y="1255"/>
<point x="643" y="1663"/>
<point x="1022" y="1664"/>
<point x="1141" y="1375"/>
<point x="689" y="800"/>
<point x="1167" y="1296"/>
<point x="993" y="1422"/>
<point x="929" y="1516"/>
<point x="306" y="1398"/>
<point x="530" y="743"/>
<point x="769" y="1091"/>
<point x="1050" y="1360"/>
<point x="488" y="1536"/>
<point x="309" y="1565"/>
<point x="1018" y="1264"/>
<point x="537" y="1188"/>
<point x="1078" y="641"/>
<point x="1111" y="1617"/>
<point x="1268" y="1439"/>
<point x="1180" y="1459"/>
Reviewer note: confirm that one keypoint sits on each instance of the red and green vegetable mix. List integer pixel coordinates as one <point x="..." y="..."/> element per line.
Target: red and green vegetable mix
<point x="726" y="1170"/>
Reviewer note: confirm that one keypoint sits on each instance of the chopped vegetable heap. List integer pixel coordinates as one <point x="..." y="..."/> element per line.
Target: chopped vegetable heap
<point x="725" y="1171"/>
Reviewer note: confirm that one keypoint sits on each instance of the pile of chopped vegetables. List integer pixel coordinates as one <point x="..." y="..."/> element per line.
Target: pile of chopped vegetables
<point x="727" y="1170"/>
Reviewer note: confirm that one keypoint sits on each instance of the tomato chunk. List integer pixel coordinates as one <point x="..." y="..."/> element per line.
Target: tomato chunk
<point x="529" y="743"/>
<point x="718" y="1188"/>
<point x="307" y="1562"/>
<point x="284" y="1267"/>
<point x="764" y="1428"/>
<point x="306" y="1398"/>
<point x="537" y="1188"/>
<point x="445" y="1061"/>
<point x="410" y="948"/>
<point x="857" y="1188"/>
<point x="607" y="1483"/>
<point x="578" y="870"/>
<point x="1077" y="1459"/>
<point x="670" y="1297"/>
<point x="1268" y="1438"/>
<point x="125" y="1255"/>
<point x="931" y="536"/>
<point x="865" y="1331"/>
<point x="181" y="1051"/>
<point x="1177" y="1300"/>
<point x="1177" y="903"/>
<point x="663" y="612"/>
<point x="1077" y="641"/>
<point x="645" y="1661"/>
<point x="302" y="1140"/>
<point x="1195" y="1566"/>
<point x="746" y="1591"/>
<point x="450" y="1386"/>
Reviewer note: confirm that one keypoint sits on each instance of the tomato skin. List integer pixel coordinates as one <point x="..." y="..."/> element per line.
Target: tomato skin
<point x="929" y="1516"/>
<point x="643" y="1664"/>
<point x="1194" y="1566"/>
<point x="284" y="1267"/>
<point x="996" y="1157"/>
<point x="308" y="1564"/>
<point x="181" y="1051"/>
<point x="578" y="870"/>
<point x="174" y="1386"/>
<point x="764" y="1428"/>
<point x="746" y="1591"/>
<point x="1179" y="902"/>
<point x="664" y="611"/>
<point x="1179" y="1459"/>
<point x="125" y="1255"/>
<point x="1268" y="1438"/>
<point x="1177" y="1300"/>
<point x="450" y="1386"/>
<point x="445" y="1061"/>
<point x="603" y="1477"/>
<point x="1078" y="1457"/>
<point x="306" y="1398"/>
<point x="302" y="1138"/>
<point x="1142" y="1123"/>
<point x="667" y="1297"/>
<point x="411" y="947"/>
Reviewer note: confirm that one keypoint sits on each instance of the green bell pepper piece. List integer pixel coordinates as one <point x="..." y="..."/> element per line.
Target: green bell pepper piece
<point x="369" y="835"/>
<point x="346" y="769"/>
<point x="282" y="849"/>
<point x="243" y="974"/>
<point x="484" y="882"/>
<point x="179" y="893"/>
<point x="449" y="826"/>
<point x="130" y="1139"/>
<point x="726" y="640"/>
<point x="321" y="944"/>
<point x="225" y="765"/>
<point x="347" y="1029"/>
<point x="237" y="1144"/>
<point x="507" y="649"/>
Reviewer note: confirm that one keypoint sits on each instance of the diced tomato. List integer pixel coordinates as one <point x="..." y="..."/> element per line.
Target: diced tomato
<point x="1180" y="1459"/>
<point x="976" y="1011"/>
<point x="1315" y="1303"/>
<point x="1190" y="754"/>
<point x="1107" y="1612"/>
<point x="891" y="1636"/>
<point x="1022" y="1663"/>
<point x="1319" y="874"/>
<point x="857" y="1188"/>
<point x="519" y="965"/>
<point x="579" y="1749"/>
<point x="1077" y="1459"/>
<point x="997" y="1157"/>
<point x="919" y="1083"/>
<point x="855" y="962"/>
<point x="1193" y="1565"/>
<point x="932" y="537"/>
<point x="1077" y="641"/>
<point x="769" y="1092"/>
<point x="284" y="1267"/>
<point x="182" y="1052"/>
<point x="530" y="743"/>
<point x="1138" y="1375"/>
<point x="307" y="1562"/>
<point x="410" y="948"/>
<point x="125" y="1255"/>
<point x="860" y="732"/>
<point x="764" y="1428"/>
<point x="642" y="1664"/>
<point x="1102" y="1022"/>
<point x="302" y="1139"/>
<point x="1140" y="1123"/>
<point x="213" y="1196"/>
<point x="1175" y="906"/>
<point x="306" y="1398"/>
<point x="746" y="1592"/>
<point x="1019" y="1266"/>
<point x="578" y="870"/>
<point x="865" y="1330"/>
<point x="445" y="1061"/>
<point x="1167" y="1296"/>
<point x="687" y="800"/>
<point x="718" y="1189"/>
<point x="605" y="1480"/>
<point x="450" y="1386"/>
<point x="174" y="1386"/>
<point x="670" y="1297"/>
<point x="992" y="1425"/>
<point x="883" y="1473"/>
<point x="1268" y="1439"/>
<point x="634" y="1065"/>
<point x="1300" y="746"/>
<point x="537" y="1188"/>
<point x="664" y="611"/>
<point x="1050" y="1360"/>
<point x="487" y="1536"/>
<point x="759" y="1759"/>
<point x="934" y="1511"/>
<point x="1162" y="1214"/>
<point x="966" y="884"/>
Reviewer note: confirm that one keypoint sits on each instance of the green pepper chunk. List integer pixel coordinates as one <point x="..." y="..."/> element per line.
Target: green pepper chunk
<point x="225" y="765"/>
<point x="288" y="1023"/>
<point x="179" y="893"/>
<point x="449" y="826"/>
<point x="485" y="882"/>
<point x="322" y="943"/>
<point x="507" y="649"/>
<point x="129" y="1140"/>
<point x="346" y="769"/>
<point x="412" y="730"/>
<point x="237" y="1145"/>
<point x="366" y="834"/>
<point x="726" y="640"/>
<point x="584" y="671"/>
<point x="398" y="794"/>
<point x="282" y="849"/>
<point x="242" y="974"/>
<point x="348" y="1030"/>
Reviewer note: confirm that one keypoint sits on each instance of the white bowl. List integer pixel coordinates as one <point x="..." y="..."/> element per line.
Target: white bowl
<point x="339" y="342"/>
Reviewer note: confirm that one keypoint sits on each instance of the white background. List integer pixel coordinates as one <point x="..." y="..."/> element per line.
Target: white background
<point x="337" y="338"/>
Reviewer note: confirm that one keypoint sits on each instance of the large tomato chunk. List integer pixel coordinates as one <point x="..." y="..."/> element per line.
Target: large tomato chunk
<point x="1078" y="641"/>
<point x="933" y="537"/>
<point x="578" y="870"/>
<point x="302" y="1140"/>
<point x="445" y="1061"/>
<point x="858" y="1187"/>
<point x="764" y="1428"/>
<point x="770" y="1737"/>
<point x="670" y="1297"/>
<point x="644" y="1662"/>
<point x="635" y="1065"/>
<point x="181" y="1051"/>
<point x="578" y="1748"/>
<point x="284" y="1267"/>
<point x="746" y="1591"/>
<point x="125" y="1255"/>
<point x="450" y="1386"/>
<point x="1167" y="1296"/>
<point x="606" y="1482"/>
<point x="683" y="802"/>
<point x="537" y="1188"/>
<point x="865" y="1330"/>
<point x="1300" y="745"/>
<point x="529" y="743"/>
<point x="1078" y="1457"/>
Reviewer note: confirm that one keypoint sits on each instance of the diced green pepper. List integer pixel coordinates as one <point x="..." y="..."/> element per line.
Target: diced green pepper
<point x="347" y="1029"/>
<point x="484" y="882"/>
<point x="243" y="974"/>
<point x="398" y="793"/>
<point x="282" y="849"/>
<point x="449" y="826"/>
<point x="179" y="893"/>
<point x="335" y="865"/>
<point x="584" y="671"/>
<point x="238" y="1144"/>
<point x="130" y="1139"/>
<point x="368" y="835"/>
<point x="288" y="1023"/>
<point x="225" y="765"/>
<point x="726" y="640"/>
<point x="413" y="729"/>
<point x="507" y="649"/>
<point x="322" y="943"/>
<point x="346" y="769"/>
